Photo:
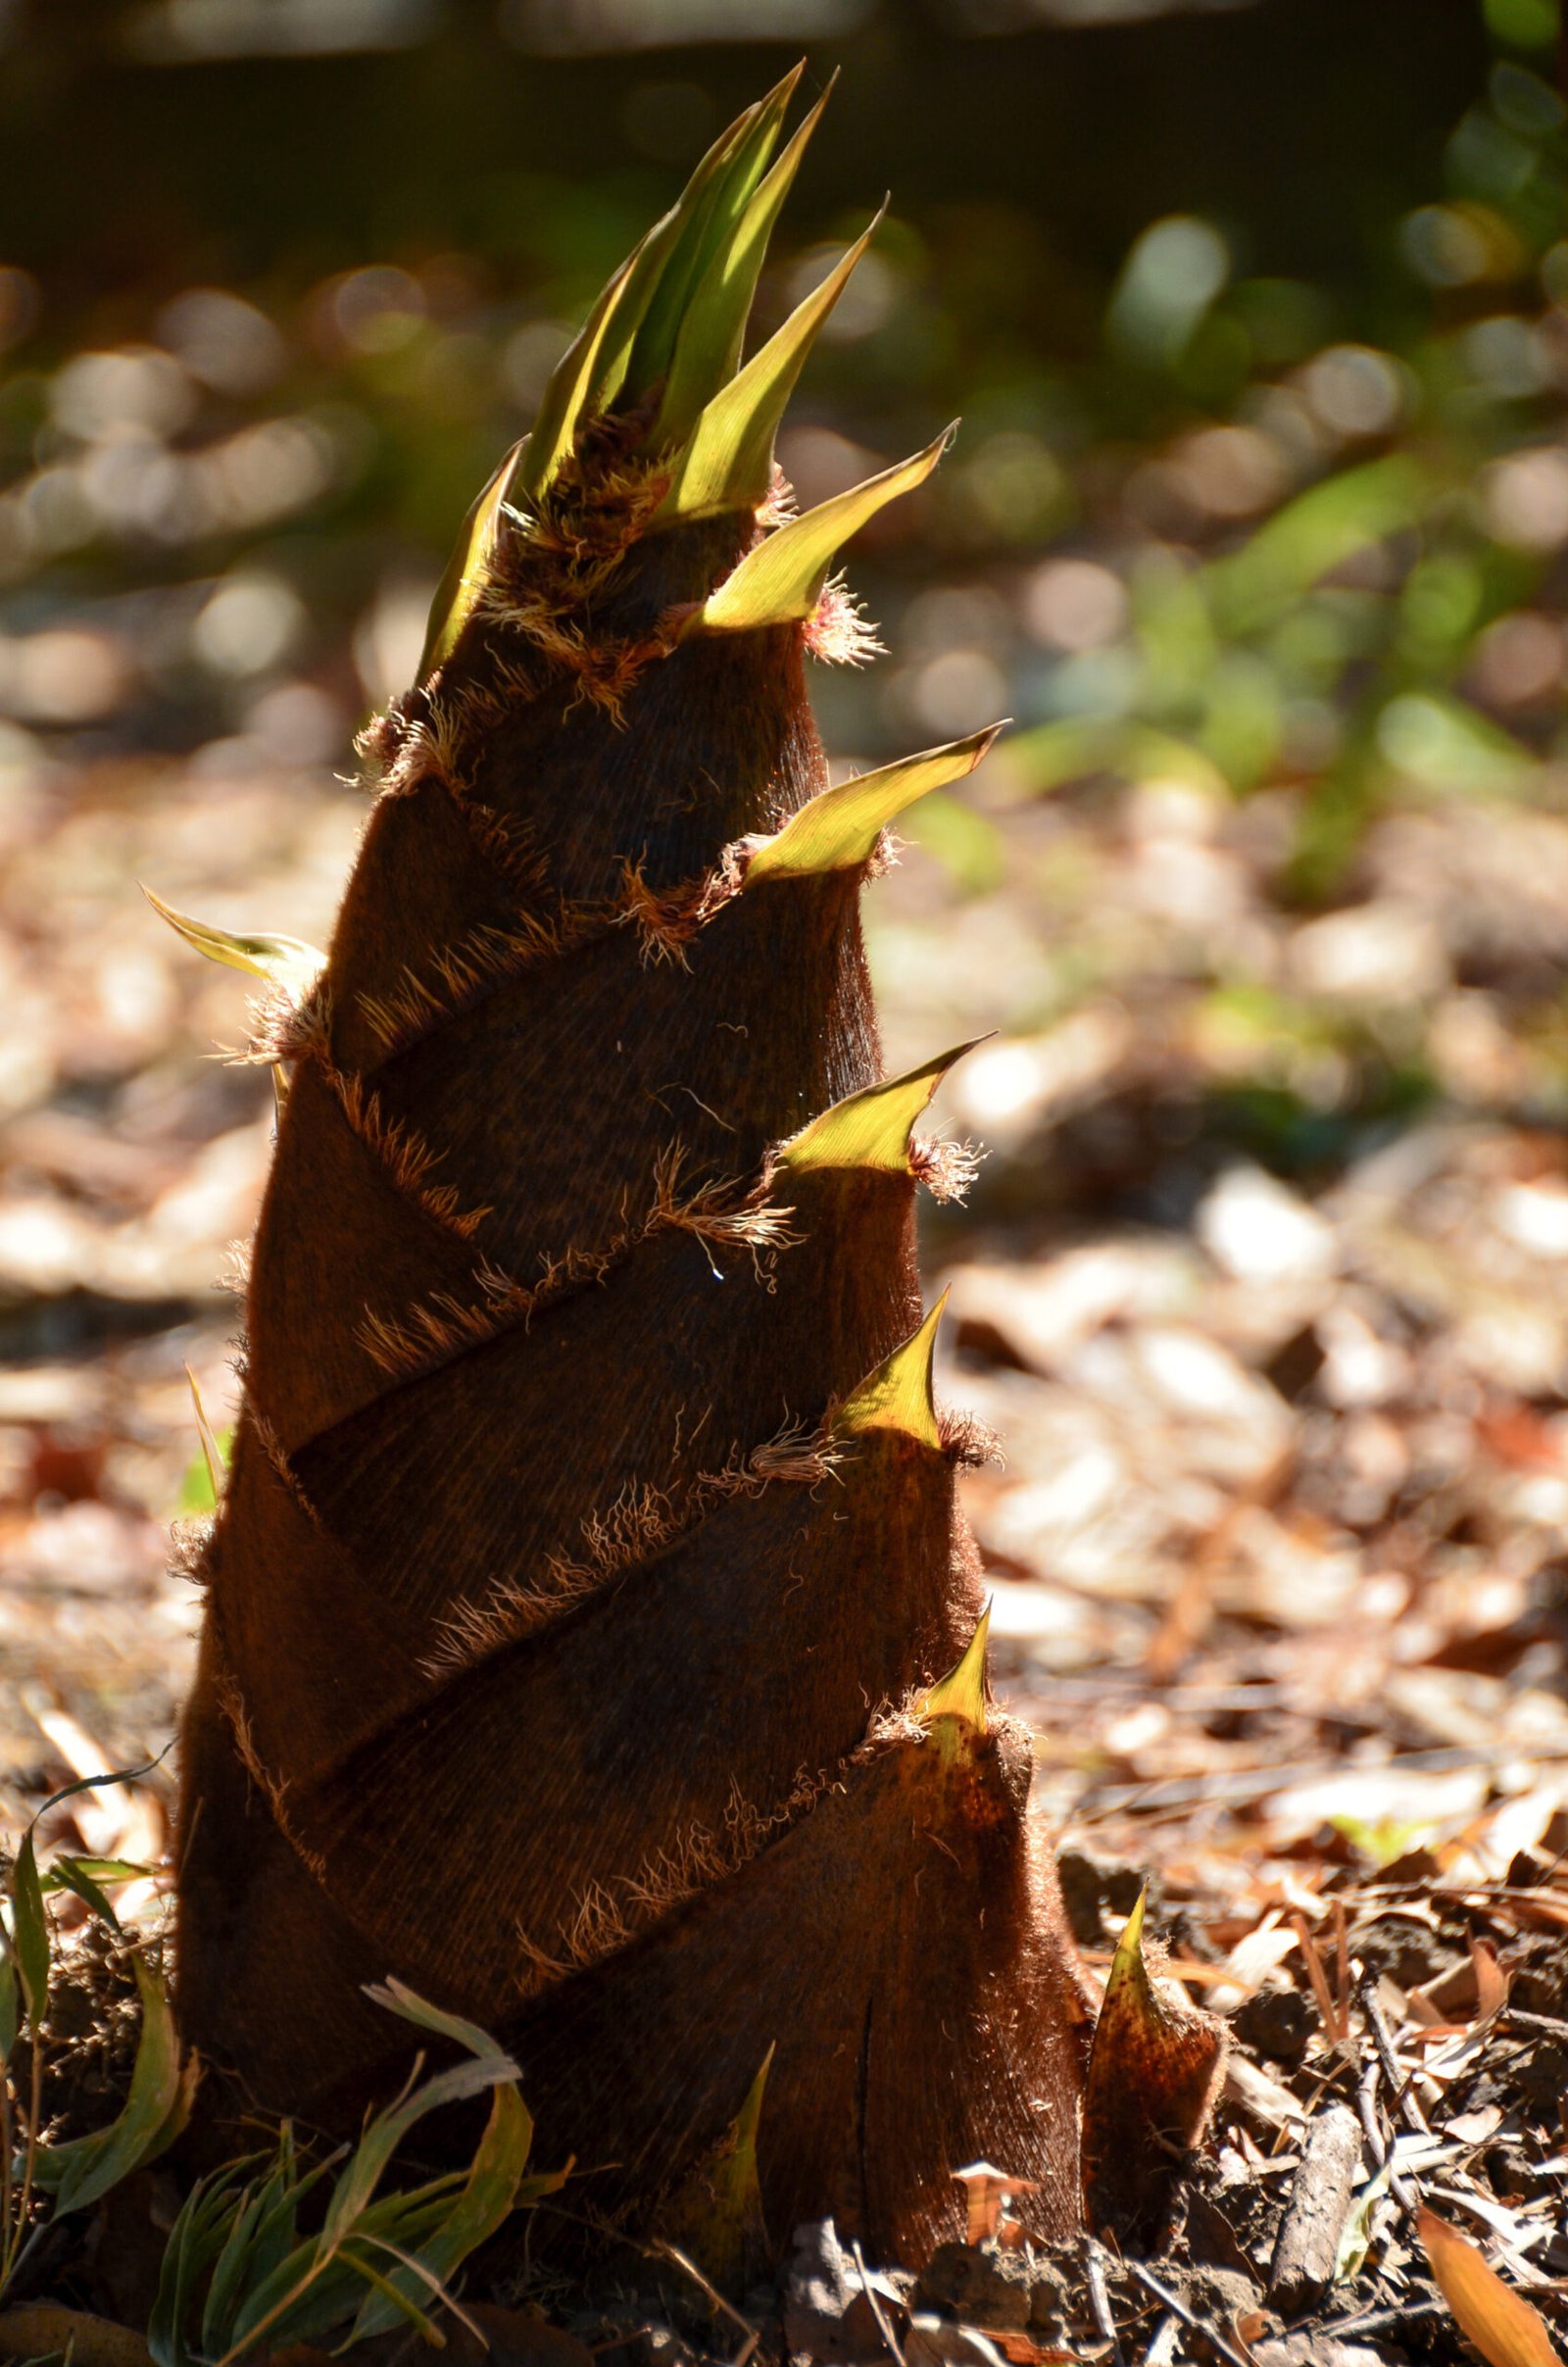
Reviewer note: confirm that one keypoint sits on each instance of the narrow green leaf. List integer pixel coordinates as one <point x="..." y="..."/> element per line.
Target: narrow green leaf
<point x="195" y="2241"/>
<point x="72" y="1874"/>
<point x="837" y="829"/>
<point x="575" y="383"/>
<point x="728" y="461"/>
<point x="871" y="1129"/>
<point x="376" y="2148"/>
<point x="488" y="2197"/>
<point x="213" y="1455"/>
<point x="783" y="577"/>
<point x="713" y="197"/>
<point x="233" y="2266"/>
<point x="398" y="1997"/>
<point x="97" y="1869"/>
<point x="457" y="595"/>
<point x="79" y="2172"/>
<point x="286" y="961"/>
<point x="9" y="2008"/>
<point x="29" y="1929"/>
<point x="897" y="1396"/>
<point x="707" y="348"/>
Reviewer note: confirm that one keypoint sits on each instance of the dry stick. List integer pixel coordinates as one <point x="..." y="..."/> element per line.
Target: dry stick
<point x="883" y="2326"/>
<point x="1309" y="2241"/>
<point x="1099" y="2300"/>
<point x="753" y="2334"/>
<point x="1366" y="2103"/>
<point x="1189" y="2317"/>
<point x="1162" y="2341"/>
<point x="1411" y="2111"/>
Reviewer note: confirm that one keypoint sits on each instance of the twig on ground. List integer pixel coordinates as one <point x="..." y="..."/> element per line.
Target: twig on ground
<point x="1189" y="2317"/>
<point x="753" y="2334"/>
<point x="1162" y="2341"/>
<point x="1402" y="2094"/>
<point x="1309" y="2243"/>
<point x="1366" y="2096"/>
<point x="883" y="2324"/>
<point x="1402" y="2313"/>
<point x="1099" y="2300"/>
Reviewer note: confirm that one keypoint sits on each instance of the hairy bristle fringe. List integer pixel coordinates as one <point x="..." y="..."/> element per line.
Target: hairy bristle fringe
<point x="465" y="972"/>
<point x="837" y="631"/>
<point x="190" y="1541"/>
<point x="506" y="844"/>
<point x="642" y="1523"/>
<point x="966" y="1439"/>
<point x="608" y="1916"/>
<point x="234" y="1267"/>
<point x="667" y="920"/>
<point x="779" y="504"/>
<point x="549" y="570"/>
<point x="417" y="740"/>
<point x="272" y="1447"/>
<point x="441" y="1329"/>
<point x="405" y="1158"/>
<point x="273" y="1788"/>
<point x="947" y="1169"/>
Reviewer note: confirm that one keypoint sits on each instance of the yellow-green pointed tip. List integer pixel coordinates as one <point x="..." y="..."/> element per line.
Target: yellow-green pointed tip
<point x="1127" y="1964"/>
<point x="574" y="384"/>
<point x="962" y="1692"/>
<point x="286" y="961"/>
<point x="781" y="581"/>
<point x="212" y="1450"/>
<point x="713" y="328"/>
<point x="897" y="1396"/>
<point x="457" y="593"/>
<point x="749" y="2118"/>
<point x="871" y="1128"/>
<point x="837" y="829"/>
<point x="728" y="461"/>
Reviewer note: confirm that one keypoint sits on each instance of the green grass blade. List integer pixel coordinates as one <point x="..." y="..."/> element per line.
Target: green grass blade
<point x="195" y="2241"/>
<point x="29" y="1931"/>
<point x="488" y="2195"/>
<point x="213" y="1455"/>
<point x="79" y="2172"/>
<point x="370" y="2158"/>
<point x="837" y="829"/>
<point x="782" y="579"/>
<point x="728" y="461"/>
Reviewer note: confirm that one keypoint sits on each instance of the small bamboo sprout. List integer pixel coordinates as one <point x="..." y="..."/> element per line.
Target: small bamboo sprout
<point x="589" y="1561"/>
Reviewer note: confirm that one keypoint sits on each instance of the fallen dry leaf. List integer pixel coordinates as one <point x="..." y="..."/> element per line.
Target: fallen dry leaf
<point x="1507" y="2330"/>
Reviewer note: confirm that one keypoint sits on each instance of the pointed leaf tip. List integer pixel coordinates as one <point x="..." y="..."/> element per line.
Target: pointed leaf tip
<point x="837" y="829"/>
<point x="713" y="328"/>
<point x="457" y="595"/>
<point x="962" y="1692"/>
<point x="781" y="581"/>
<point x="871" y="1129"/>
<point x="213" y="1455"/>
<point x="898" y="1394"/>
<point x="728" y="461"/>
<point x="286" y="961"/>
